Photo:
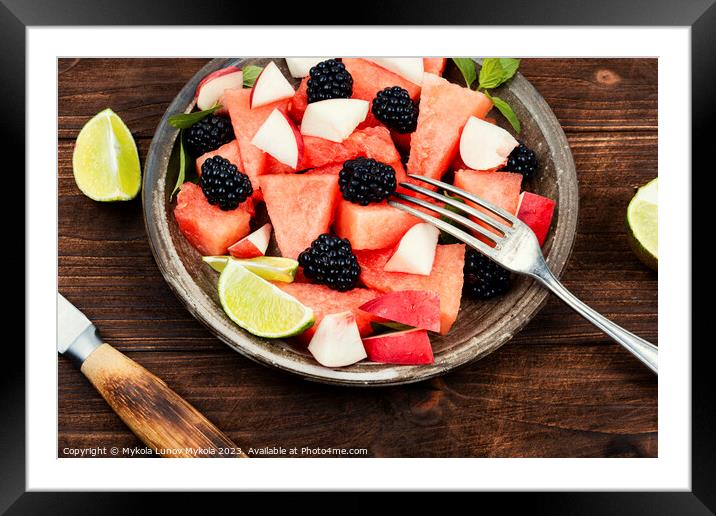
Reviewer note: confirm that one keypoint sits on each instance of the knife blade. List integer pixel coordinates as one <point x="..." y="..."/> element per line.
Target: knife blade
<point x="156" y="414"/>
<point x="77" y="337"/>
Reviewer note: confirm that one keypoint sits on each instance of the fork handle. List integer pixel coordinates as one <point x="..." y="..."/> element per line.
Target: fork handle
<point x="640" y="348"/>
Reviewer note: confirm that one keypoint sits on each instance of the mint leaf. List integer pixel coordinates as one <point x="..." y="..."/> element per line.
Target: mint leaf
<point x="183" y="160"/>
<point x="491" y="73"/>
<point x="509" y="67"/>
<point x="496" y="71"/>
<point x="467" y="68"/>
<point x="507" y="112"/>
<point x="186" y="120"/>
<point x="251" y="72"/>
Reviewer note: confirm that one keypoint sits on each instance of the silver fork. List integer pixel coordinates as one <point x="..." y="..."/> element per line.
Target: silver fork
<point x="515" y="248"/>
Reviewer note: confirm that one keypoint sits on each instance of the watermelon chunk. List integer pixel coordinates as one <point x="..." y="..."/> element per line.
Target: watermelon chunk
<point x="500" y="188"/>
<point x="323" y="301"/>
<point x="369" y="78"/>
<point x="299" y="102"/>
<point x="444" y="111"/>
<point x="417" y="308"/>
<point x="301" y="207"/>
<point x="536" y="211"/>
<point x="434" y="65"/>
<point x="333" y="169"/>
<point x="375" y="226"/>
<point x="208" y="228"/>
<point x="246" y="122"/>
<point x="273" y="166"/>
<point x="229" y="151"/>
<point x="445" y="279"/>
<point x="371" y="142"/>
<point x="409" y="347"/>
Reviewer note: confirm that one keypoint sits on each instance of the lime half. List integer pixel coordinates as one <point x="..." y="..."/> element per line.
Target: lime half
<point x="105" y="161"/>
<point x="272" y="268"/>
<point x="643" y="224"/>
<point x="260" y="307"/>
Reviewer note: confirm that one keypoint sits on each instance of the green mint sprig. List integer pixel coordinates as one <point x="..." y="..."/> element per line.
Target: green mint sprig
<point x="467" y="68"/>
<point x="494" y="72"/>
<point x="251" y="73"/>
<point x="183" y="162"/>
<point x="186" y="120"/>
<point x="506" y="110"/>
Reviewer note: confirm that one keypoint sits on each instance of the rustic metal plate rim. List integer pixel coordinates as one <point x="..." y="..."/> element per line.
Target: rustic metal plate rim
<point x="261" y="350"/>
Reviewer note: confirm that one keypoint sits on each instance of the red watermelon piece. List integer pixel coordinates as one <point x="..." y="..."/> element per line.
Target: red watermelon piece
<point x="417" y="308"/>
<point x="323" y="301"/>
<point x="246" y="122"/>
<point x="536" y="211"/>
<point x="375" y="226"/>
<point x="371" y="142"/>
<point x="434" y="65"/>
<point x="444" y="110"/>
<point x="370" y="121"/>
<point x="409" y="347"/>
<point x="208" y="228"/>
<point x="273" y="166"/>
<point x="301" y="207"/>
<point x="229" y="151"/>
<point x="446" y="278"/>
<point x="299" y="102"/>
<point x="369" y="78"/>
<point x="500" y="188"/>
<point x="333" y="169"/>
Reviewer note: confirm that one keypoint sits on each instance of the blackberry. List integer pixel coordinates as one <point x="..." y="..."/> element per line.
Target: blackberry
<point x="209" y="134"/>
<point x="223" y="184"/>
<point x="329" y="80"/>
<point x="330" y="261"/>
<point x="363" y="181"/>
<point x="523" y="161"/>
<point x="483" y="277"/>
<point x="394" y="107"/>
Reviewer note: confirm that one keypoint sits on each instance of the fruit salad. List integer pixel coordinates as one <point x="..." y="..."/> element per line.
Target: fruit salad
<point x="353" y="279"/>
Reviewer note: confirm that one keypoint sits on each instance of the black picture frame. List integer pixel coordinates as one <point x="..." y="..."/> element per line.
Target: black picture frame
<point x="700" y="15"/>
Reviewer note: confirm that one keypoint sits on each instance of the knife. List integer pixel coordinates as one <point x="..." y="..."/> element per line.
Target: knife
<point x="161" y="418"/>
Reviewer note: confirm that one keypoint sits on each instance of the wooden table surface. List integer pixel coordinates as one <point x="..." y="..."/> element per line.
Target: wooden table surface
<point x="559" y="389"/>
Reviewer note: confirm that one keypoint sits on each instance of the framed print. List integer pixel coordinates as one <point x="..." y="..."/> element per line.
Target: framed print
<point x="250" y="253"/>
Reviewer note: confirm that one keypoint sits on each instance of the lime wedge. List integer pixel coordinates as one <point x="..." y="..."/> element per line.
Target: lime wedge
<point x="105" y="160"/>
<point x="260" y="307"/>
<point x="643" y="224"/>
<point x="272" y="268"/>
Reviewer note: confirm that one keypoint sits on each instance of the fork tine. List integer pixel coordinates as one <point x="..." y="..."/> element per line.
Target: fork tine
<point x="495" y="239"/>
<point x="480" y="215"/>
<point x="467" y="195"/>
<point x="448" y="228"/>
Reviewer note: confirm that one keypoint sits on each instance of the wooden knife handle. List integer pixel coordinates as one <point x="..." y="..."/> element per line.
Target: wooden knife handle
<point x="154" y="412"/>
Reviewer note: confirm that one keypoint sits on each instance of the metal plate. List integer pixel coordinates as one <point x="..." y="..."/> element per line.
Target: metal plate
<point x="481" y="327"/>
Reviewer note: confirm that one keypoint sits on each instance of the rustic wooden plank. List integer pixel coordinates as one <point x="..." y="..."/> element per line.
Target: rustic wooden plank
<point x="515" y="403"/>
<point x="598" y="94"/>
<point x="139" y="90"/>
